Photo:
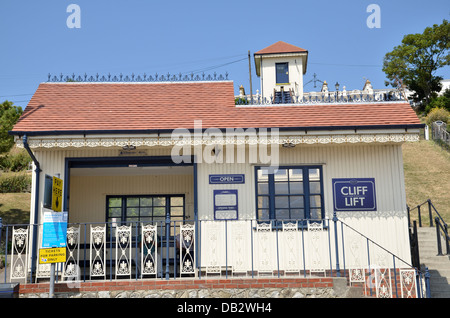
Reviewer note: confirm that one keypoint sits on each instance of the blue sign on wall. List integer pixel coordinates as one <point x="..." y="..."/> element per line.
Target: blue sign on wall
<point x="354" y="194"/>
<point x="54" y="231"/>
<point x="225" y="204"/>
<point x="226" y="178"/>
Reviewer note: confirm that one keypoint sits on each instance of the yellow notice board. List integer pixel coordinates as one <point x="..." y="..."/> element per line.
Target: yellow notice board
<point x="52" y="255"/>
<point x="57" y="194"/>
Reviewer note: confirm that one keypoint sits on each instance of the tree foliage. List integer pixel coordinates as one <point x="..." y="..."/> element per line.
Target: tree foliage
<point x="415" y="61"/>
<point x="9" y="114"/>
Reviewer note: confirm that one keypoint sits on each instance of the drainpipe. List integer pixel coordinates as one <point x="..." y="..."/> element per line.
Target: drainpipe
<point x="37" y="172"/>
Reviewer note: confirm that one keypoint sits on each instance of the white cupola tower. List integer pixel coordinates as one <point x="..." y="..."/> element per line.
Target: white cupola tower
<point x="281" y="67"/>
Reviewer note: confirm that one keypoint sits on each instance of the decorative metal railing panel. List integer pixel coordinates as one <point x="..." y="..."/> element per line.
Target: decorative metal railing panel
<point x="264" y="248"/>
<point x="19" y="253"/>
<point x="71" y="267"/>
<point x="123" y="251"/>
<point x="187" y="249"/>
<point x="291" y="242"/>
<point x="98" y="251"/>
<point x="227" y="248"/>
<point x="317" y="247"/>
<point x="239" y="249"/>
<point x="408" y="283"/>
<point x="212" y="262"/>
<point x="149" y="250"/>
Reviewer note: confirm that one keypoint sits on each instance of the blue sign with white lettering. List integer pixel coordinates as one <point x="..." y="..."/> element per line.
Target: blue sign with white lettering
<point x="226" y="178"/>
<point x="54" y="233"/>
<point x="354" y="194"/>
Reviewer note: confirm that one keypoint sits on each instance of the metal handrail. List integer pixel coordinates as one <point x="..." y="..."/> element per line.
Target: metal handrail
<point x="419" y="213"/>
<point x="438" y="236"/>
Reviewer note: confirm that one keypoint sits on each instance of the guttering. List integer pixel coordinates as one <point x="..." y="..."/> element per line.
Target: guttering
<point x="37" y="172"/>
<point x="168" y="131"/>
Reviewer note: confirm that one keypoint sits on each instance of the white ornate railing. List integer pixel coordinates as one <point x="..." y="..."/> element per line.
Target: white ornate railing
<point x="325" y="97"/>
<point x="242" y="248"/>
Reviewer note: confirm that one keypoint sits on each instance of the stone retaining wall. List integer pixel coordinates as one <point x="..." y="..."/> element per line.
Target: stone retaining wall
<point x="324" y="287"/>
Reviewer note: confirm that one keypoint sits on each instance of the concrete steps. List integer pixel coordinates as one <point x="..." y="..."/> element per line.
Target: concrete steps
<point x="438" y="265"/>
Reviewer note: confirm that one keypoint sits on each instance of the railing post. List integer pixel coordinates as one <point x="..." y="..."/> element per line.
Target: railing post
<point x="438" y="237"/>
<point x="429" y="212"/>
<point x="447" y="247"/>
<point x="419" y="216"/>
<point x="427" y="282"/>
<point x="409" y="215"/>
<point x="338" y="270"/>
<point x="167" y="245"/>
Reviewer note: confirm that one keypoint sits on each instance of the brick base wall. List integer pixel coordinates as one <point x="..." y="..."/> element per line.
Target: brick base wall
<point x="193" y="288"/>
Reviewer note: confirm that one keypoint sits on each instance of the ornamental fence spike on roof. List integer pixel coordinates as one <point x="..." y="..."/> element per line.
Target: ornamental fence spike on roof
<point x="139" y="78"/>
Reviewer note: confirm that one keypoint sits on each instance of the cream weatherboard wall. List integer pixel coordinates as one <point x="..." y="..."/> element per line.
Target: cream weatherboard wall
<point x="388" y="226"/>
<point x="382" y="161"/>
<point x="88" y="193"/>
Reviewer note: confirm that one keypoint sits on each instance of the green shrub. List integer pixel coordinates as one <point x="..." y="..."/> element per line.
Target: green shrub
<point x="14" y="183"/>
<point x="240" y="101"/>
<point x="15" y="161"/>
<point x="437" y="114"/>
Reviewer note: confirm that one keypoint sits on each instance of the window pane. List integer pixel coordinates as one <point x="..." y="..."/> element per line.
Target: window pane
<point x="115" y="212"/>
<point x="263" y="202"/>
<point x="176" y="201"/>
<point x="282" y="214"/>
<point x="297" y="202"/>
<point x="145" y="201"/>
<point x="314" y="187"/>
<point x="145" y="220"/>
<point x="296" y="187"/>
<point x="132" y="212"/>
<point x="316" y="214"/>
<point x="263" y="188"/>
<point x="263" y="214"/>
<point x="161" y="211"/>
<point x="132" y="201"/>
<point x="282" y="74"/>
<point x="146" y="212"/>
<point x="281" y="175"/>
<point x="281" y="202"/>
<point x="314" y="201"/>
<point x="114" y="202"/>
<point x="298" y="214"/>
<point x="281" y="188"/>
<point x="176" y="211"/>
<point x="263" y="174"/>
<point x="296" y="175"/>
<point x="158" y="221"/>
<point x="314" y="174"/>
<point x="159" y="201"/>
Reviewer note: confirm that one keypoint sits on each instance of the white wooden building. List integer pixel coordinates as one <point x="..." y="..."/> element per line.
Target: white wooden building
<point x="250" y="188"/>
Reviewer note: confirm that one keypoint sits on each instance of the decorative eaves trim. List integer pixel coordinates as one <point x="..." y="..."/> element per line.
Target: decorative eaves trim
<point x="50" y="143"/>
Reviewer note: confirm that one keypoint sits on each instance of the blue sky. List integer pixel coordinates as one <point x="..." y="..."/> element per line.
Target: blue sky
<point x="146" y="36"/>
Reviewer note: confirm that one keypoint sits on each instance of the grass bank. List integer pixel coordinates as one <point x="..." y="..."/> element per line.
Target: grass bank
<point x="427" y="176"/>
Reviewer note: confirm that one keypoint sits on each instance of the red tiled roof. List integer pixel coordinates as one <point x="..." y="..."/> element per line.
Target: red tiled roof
<point x="63" y="107"/>
<point x="280" y="47"/>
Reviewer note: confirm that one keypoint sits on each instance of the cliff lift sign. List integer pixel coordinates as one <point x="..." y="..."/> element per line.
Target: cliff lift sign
<point x="355" y="194"/>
